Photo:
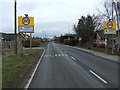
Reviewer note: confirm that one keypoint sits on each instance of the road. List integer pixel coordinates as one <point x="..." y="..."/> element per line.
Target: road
<point x="66" y="67"/>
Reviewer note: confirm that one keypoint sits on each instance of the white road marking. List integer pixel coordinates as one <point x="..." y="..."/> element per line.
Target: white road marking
<point x="73" y="58"/>
<point x="31" y="78"/>
<point x="98" y="76"/>
<point x="55" y="55"/>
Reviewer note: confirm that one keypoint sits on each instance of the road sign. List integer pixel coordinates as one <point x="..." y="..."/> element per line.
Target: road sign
<point x="109" y="24"/>
<point x="27" y="29"/>
<point x="25" y="21"/>
<point x="109" y="31"/>
<point x="26" y="24"/>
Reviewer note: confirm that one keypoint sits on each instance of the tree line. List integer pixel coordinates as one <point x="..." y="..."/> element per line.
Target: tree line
<point x="87" y="25"/>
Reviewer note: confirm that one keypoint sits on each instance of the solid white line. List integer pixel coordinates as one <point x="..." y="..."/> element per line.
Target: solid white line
<point x="29" y="81"/>
<point x="98" y="76"/>
<point x="73" y="58"/>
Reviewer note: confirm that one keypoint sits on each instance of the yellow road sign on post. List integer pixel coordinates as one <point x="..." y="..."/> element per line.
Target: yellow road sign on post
<point x="109" y="24"/>
<point x="26" y="24"/>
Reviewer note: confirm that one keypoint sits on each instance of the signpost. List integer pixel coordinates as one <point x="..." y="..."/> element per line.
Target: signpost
<point x="110" y="29"/>
<point x="109" y="32"/>
<point x="109" y="24"/>
<point x="26" y="25"/>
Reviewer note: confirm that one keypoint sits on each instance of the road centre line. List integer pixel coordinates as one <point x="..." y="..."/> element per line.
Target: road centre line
<point x="73" y="58"/>
<point x="98" y="76"/>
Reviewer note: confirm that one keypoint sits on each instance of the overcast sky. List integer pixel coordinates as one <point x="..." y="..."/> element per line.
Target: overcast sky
<point x="54" y="17"/>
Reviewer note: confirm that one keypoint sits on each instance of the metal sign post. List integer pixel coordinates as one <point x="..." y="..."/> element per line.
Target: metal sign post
<point x="106" y="44"/>
<point x="30" y="40"/>
<point x="26" y="25"/>
<point x="20" y="43"/>
<point x="110" y="29"/>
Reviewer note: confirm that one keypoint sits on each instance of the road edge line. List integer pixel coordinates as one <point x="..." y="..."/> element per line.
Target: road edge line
<point x="31" y="77"/>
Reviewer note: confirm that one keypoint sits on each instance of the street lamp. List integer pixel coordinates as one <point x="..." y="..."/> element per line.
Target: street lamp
<point x="68" y="28"/>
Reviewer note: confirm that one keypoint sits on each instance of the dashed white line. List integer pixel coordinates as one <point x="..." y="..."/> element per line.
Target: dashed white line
<point x="98" y="76"/>
<point x="73" y="58"/>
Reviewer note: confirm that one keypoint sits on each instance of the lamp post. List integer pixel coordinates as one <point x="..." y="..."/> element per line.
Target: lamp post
<point x="68" y="28"/>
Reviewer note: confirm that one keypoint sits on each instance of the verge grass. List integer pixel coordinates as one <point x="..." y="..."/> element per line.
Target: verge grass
<point x="15" y="66"/>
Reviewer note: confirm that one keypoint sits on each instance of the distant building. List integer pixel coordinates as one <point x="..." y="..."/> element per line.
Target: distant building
<point x="100" y="37"/>
<point x="8" y="39"/>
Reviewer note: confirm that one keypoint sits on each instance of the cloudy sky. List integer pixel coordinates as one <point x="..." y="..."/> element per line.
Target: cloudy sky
<point x="52" y="17"/>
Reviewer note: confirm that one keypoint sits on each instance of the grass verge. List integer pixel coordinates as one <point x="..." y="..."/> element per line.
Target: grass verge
<point x="102" y="50"/>
<point x="14" y="67"/>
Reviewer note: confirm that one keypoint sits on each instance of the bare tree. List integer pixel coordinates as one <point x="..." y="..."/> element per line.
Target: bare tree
<point x="111" y="11"/>
<point x="116" y="5"/>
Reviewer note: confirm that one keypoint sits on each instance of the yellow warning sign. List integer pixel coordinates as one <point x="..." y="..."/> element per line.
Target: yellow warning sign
<point x="25" y="21"/>
<point x="26" y="24"/>
<point x="109" y="24"/>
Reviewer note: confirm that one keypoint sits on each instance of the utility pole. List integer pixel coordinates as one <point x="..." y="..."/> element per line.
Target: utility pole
<point x="15" y="25"/>
<point x="112" y="35"/>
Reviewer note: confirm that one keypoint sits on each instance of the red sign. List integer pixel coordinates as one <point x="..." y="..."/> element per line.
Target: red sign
<point x="25" y="20"/>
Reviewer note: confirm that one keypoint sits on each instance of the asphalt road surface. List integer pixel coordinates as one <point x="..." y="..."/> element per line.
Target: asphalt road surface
<point x="66" y="67"/>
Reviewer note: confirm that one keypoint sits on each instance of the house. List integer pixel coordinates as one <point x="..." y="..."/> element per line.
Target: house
<point x="8" y="39"/>
<point x="100" y="37"/>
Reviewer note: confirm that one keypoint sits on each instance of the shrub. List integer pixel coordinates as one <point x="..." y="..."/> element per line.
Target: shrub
<point x="73" y="42"/>
<point x="26" y="43"/>
<point x="101" y="46"/>
<point x="65" y="41"/>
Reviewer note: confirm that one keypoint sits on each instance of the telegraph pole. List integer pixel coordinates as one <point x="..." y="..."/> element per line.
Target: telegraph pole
<point x="15" y="25"/>
<point x="112" y="35"/>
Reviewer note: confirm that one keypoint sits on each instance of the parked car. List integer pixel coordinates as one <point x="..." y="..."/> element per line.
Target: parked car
<point x="101" y="43"/>
<point x="95" y="43"/>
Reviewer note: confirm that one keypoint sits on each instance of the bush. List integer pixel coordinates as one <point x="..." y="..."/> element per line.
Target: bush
<point x="66" y="41"/>
<point x="26" y="43"/>
<point x="101" y="46"/>
<point x="73" y="42"/>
